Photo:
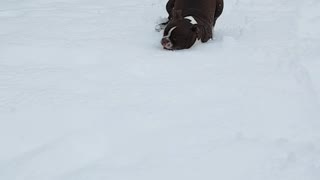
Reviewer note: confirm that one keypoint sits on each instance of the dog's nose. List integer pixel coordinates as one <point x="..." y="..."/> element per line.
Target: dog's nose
<point x="166" y="43"/>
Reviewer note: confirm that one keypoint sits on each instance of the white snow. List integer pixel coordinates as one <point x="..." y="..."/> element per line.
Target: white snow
<point x="87" y="93"/>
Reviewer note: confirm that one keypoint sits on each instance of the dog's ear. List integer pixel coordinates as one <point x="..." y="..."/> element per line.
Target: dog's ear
<point x="177" y="14"/>
<point x="195" y="28"/>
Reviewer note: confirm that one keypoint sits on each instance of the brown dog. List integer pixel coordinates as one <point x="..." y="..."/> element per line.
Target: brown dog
<point x="188" y="21"/>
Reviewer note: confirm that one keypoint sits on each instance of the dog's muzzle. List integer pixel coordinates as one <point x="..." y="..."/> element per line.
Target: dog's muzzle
<point x="166" y="43"/>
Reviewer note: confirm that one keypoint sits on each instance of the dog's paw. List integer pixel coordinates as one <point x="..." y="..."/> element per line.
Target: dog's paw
<point x="162" y="20"/>
<point x="161" y="24"/>
<point x="160" y="27"/>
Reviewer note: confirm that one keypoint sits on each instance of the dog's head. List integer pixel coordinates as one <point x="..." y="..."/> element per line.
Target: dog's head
<point x="180" y="33"/>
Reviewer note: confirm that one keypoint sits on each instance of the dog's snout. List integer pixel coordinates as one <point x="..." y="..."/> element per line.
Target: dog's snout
<point x="166" y="43"/>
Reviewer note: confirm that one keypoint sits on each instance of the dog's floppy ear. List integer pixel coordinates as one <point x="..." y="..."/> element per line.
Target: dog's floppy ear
<point x="177" y="14"/>
<point x="195" y="28"/>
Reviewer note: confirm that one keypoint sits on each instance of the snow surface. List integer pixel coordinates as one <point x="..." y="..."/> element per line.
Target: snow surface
<point x="87" y="93"/>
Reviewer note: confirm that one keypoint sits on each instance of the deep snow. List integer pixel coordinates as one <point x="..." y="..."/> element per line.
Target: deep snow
<point x="87" y="93"/>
